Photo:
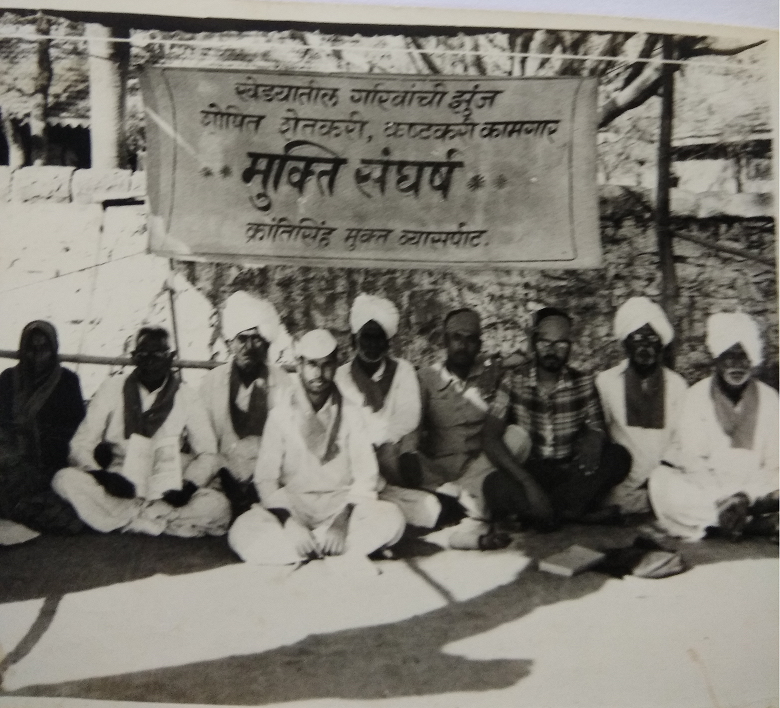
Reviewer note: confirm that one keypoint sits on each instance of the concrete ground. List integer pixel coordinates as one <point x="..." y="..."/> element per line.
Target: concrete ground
<point x="93" y="619"/>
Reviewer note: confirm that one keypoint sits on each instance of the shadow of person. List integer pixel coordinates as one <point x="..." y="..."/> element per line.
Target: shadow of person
<point x="404" y="658"/>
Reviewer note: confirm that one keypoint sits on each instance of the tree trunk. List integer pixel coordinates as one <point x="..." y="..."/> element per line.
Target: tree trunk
<point x="16" y="156"/>
<point x="108" y="65"/>
<point x="40" y="97"/>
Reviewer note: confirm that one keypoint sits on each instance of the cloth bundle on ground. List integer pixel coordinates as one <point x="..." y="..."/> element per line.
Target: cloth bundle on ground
<point x="644" y="558"/>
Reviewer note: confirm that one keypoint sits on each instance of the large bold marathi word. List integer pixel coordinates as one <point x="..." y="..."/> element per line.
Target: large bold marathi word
<point x="441" y="239"/>
<point x="308" y="95"/>
<point x="366" y="237"/>
<point x="307" y="231"/>
<point x="464" y="100"/>
<point x="409" y="174"/>
<point x="517" y="128"/>
<point x="351" y="127"/>
<point x="294" y="167"/>
<point x="399" y="98"/>
<point x="229" y="117"/>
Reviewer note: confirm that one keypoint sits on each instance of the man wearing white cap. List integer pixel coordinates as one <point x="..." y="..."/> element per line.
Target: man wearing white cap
<point x="239" y="394"/>
<point x="128" y="471"/>
<point x="720" y="472"/>
<point x="385" y="387"/>
<point x="316" y="474"/>
<point x="640" y="397"/>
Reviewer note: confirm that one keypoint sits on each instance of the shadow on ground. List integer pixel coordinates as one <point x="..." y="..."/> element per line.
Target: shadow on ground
<point x="400" y="659"/>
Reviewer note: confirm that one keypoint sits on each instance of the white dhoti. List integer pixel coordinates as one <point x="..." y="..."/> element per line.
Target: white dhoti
<point x="257" y="536"/>
<point x="206" y="514"/>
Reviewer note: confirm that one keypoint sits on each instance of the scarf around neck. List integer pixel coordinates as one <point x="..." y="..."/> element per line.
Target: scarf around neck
<point x="252" y="420"/>
<point x="645" y="399"/>
<point x="319" y="438"/>
<point x="148" y="422"/>
<point x="374" y="392"/>
<point x="738" y="421"/>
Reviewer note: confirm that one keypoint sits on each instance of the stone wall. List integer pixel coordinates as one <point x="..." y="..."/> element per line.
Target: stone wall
<point x="65" y="257"/>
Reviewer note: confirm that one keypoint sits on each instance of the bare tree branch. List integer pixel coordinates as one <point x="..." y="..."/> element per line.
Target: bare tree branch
<point x="632" y="96"/>
<point x="479" y="62"/>
<point x="650" y="43"/>
<point x="712" y="51"/>
<point x="426" y="58"/>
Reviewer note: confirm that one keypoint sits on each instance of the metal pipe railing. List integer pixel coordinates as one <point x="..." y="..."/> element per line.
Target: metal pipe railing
<point x="116" y="360"/>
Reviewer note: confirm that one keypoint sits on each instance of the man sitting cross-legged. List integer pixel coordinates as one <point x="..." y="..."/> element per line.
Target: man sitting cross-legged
<point x="641" y="398"/>
<point x="316" y="474"/>
<point x="570" y="465"/>
<point x="456" y="395"/>
<point x="239" y="394"/>
<point x="386" y="391"/>
<point x="720" y="472"/>
<point x="134" y="429"/>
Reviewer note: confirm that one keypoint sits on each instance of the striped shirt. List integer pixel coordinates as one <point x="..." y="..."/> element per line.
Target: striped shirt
<point x="554" y="420"/>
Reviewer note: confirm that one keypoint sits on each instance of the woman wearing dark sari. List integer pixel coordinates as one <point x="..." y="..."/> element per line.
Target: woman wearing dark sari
<point x="40" y="408"/>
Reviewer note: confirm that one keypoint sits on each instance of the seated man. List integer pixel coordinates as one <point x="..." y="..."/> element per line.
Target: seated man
<point x="640" y="397"/>
<point x="316" y="474"/>
<point x="384" y="387"/>
<point x="720" y="471"/>
<point x="149" y="406"/>
<point x="570" y="465"/>
<point x="239" y="394"/>
<point x="456" y="394"/>
<point x="40" y="408"/>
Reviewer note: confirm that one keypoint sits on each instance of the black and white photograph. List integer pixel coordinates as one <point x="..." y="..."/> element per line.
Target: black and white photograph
<point x="507" y="281"/>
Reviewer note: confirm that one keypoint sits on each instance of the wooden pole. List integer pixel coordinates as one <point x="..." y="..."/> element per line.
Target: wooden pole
<point x="662" y="220"/>
<point x="116" y="360"/>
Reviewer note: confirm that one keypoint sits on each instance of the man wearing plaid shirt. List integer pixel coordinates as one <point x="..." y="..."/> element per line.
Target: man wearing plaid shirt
<point x="571" y="465"/>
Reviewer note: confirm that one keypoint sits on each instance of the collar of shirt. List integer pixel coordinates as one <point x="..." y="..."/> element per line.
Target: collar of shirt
<point x="564" y="379"/>
<point x="447" y="378"/>
<point x="148" y="397"/>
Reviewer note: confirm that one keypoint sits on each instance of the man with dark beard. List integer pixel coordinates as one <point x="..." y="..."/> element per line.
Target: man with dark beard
<point x="570" y="465"/>
<point x="640" y="397"/>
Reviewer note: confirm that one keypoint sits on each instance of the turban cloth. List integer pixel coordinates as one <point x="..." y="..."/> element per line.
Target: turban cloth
<point x="316" y="344"/>
<point x="370" y="307"/>
<point x="244" y="311"/>
<point x="635" y="313"/>
<point x="725" y="329"/>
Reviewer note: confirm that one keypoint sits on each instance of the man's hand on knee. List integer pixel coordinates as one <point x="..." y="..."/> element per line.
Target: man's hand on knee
<point x="115" y="484"/>
<point x="335" y="541"/>
<point x="301" y="538"/>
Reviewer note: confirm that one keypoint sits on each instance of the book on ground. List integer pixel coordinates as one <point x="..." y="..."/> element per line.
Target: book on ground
<point x="575" y="559"/>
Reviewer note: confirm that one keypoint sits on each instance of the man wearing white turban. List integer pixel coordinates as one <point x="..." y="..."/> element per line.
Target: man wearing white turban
<point x="720" y="472"/>
<point x="316" y="474"/>
<point x="640" y="397"/>
<point x="239" y="394"/>
<point x="387" y="391"/>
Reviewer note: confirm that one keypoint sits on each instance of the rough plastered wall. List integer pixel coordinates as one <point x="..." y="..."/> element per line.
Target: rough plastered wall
<point x="66" y="258"/>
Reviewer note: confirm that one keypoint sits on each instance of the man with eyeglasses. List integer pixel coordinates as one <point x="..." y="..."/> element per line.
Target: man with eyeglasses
<point x="640" y="397"/>
<point x="239" y="394"/>
<point x="568" y="465"/>
<point x="145" y="453"/>
<point x="719" y="475"/>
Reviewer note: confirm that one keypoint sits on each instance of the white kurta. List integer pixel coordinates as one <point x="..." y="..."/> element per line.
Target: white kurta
<point x="239" y="454"/>
<point x="289" y="476"/>
<point x="707" y="469"/>
<point x="646" y="445"/>
<point x="400" y="414"/>
<point x="207" y="512"/>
